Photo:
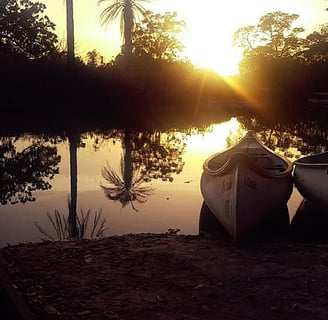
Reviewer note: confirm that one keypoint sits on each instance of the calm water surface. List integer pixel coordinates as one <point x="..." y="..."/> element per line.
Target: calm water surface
<point x="132" y="182"/>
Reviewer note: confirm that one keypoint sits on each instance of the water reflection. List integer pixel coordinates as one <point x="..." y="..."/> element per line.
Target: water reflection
<point x="24" y="171"/>
<point x="294" y="139"/>
<point x="128" y="186"/>
<point x="60" y="224"/>
<point x="74" y="140"/>
<point x="138" y="170"/>
<point x="146" y="156"/>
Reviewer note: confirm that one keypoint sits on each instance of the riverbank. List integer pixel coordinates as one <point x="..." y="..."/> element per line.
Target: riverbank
<point x="168" y="276"/>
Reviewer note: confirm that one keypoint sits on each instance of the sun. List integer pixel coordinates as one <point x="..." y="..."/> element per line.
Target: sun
<point x="209" y="36"/>
<point x="208" y="56"/>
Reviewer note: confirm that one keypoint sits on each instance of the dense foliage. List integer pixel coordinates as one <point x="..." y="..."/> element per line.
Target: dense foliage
<point x="23" y="172"/>
<point x="24" y="30"/>
<point x="158" y="37"/>
<point x="280" y="68"/>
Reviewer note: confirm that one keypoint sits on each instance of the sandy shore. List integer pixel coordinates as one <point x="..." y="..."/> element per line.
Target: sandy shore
<point x="163" y="276"/>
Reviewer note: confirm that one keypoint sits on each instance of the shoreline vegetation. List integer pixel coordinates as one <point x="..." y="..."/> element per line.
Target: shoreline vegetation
<point x="54" y="94"/>
<point x="49" y="95"/>
<point x="280" y="70"/>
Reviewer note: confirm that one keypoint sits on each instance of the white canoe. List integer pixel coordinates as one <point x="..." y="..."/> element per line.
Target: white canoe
<point x="245" y="185"/>
<point x="311" y="179"/>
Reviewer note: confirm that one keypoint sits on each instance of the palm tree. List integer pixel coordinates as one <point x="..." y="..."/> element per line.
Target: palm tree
<point x="129" y="11"/>
<point x="70" y="30"/>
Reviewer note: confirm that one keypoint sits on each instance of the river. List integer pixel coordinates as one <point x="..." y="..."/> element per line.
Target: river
<point x="121" y="181"/>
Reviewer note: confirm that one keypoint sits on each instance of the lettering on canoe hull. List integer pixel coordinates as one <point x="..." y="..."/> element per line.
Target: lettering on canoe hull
<point x="250" y="183"/>
<point x="226" y="185"/>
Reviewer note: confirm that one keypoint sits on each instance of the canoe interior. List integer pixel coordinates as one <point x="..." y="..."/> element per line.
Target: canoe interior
<point x="321" y="159"/>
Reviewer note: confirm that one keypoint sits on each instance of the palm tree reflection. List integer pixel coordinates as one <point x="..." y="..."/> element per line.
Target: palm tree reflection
<point x="74" y="225"/>
<point x="60" y="224"/>
<point x="126" y="187"/>
<point x="146" y="156"/>
<point x="74" y="140"/>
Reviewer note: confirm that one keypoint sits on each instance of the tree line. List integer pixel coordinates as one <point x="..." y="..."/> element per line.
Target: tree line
<point x="280" y="69"/>
<point x="279" y="64"/>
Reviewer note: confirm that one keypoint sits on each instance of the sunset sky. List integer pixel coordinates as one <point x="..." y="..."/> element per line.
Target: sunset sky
<point x="211" y="25"/>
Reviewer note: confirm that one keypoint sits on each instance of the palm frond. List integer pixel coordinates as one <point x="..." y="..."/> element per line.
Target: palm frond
<point x="113" y="193"/>
<point x="111" y="176"/>
<point x="116" y="9"/>
<point x="83" y="222"/>
<point x="110" y="13"/>
<point x="60" y="224"/>
<point x="98" y="230"/>
<point x="44" y="232"/>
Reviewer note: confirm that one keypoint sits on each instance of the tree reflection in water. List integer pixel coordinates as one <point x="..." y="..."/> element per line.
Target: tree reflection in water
<point x="304" y="136"/>
<point x="61" y="225"/>
<point x="23" y="172"/>
<point x="27" y="167"/>
<point x="126" y="187"/>
<point x="74" y="225"/>
<point x="146" y="156"/>
<point x="74" y="141"/>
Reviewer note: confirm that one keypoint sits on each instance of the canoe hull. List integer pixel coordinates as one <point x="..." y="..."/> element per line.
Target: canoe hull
<point x="245" y="185"/>
<point x="244" y="200"/>
<point x="311" y="179"/>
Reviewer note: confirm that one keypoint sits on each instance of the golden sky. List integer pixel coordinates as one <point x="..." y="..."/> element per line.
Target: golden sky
<point x="211" y="24"/>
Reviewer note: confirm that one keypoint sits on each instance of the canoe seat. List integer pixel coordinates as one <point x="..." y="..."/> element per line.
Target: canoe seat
<point x="266" y="162"/>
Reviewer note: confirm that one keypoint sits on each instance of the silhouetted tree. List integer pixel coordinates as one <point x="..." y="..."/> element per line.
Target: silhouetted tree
<point x="273" y="37"/>
<point x="157" y="37"/>
<point x="317" y="46"/>
<point x="70" y="30"/>
<point x="271" y="63"/>
<point x="94" y="59"/>
<point x="24" y="30"/>
<point x="129" y="10"/>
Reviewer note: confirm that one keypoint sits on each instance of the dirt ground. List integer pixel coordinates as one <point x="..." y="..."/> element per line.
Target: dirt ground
<point x="169" y="276"/>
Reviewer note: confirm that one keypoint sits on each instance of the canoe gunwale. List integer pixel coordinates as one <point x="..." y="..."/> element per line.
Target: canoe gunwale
<point x="311" y="165"/>
<point x="235" y="156"/>
<point x="314" y="160"/>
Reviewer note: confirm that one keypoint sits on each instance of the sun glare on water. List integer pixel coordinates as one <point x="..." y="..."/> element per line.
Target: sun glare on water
<point x="215" y="139"/>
